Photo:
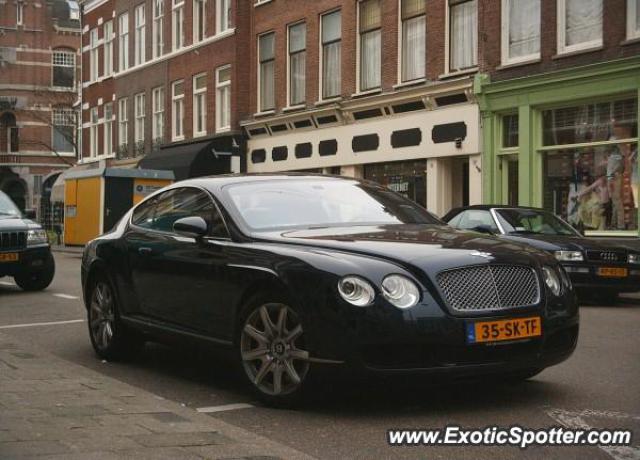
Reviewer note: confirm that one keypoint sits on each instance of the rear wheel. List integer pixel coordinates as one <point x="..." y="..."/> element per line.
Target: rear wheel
<point x="273" y="353"/>
<point x="110" y="338"/>
<point x="37" y="280"/>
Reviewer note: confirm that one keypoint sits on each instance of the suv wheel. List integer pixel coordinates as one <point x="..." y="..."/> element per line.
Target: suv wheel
<point x="110" y="338"/>
<point x="273" y="353"/>
<point x="37" y="280"/>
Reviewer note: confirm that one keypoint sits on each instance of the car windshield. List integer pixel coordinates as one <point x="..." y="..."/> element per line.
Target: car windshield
<point x="533" y="221"/>
<point x="318" y="202"/>
<point x="7" y="207"/>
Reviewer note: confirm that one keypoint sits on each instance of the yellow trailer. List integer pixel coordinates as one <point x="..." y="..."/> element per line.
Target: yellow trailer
<point x="96" y="199"/>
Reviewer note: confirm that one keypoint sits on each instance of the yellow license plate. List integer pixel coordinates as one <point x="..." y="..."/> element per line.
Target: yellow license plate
<point x="9" y="257"/>
<point x="612" y="272"/>
<point x="504" y="329"/>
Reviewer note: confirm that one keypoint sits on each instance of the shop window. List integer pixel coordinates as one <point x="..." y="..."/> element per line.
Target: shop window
<point x="328" y="147"/>
<point x="303" y="150"/>
<point x="520" y="30"/>
<point x="365" y="143"/>
<point x="463" y="34"/>
<point x="406" y="138"/>
<point x="405" y="177"/>
<point x="579" y="25"/>
<point x="279" y="153"/>
<point x="510" y="131"/>
<point x="595" y="186"/>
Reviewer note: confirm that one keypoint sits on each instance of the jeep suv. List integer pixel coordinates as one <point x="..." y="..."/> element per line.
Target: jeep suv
<point x="25" y="253"/>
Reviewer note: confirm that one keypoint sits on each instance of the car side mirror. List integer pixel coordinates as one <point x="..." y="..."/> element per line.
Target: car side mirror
<point x="483" y="229"/>
<point x="193" y="227"/>
<point x="30" y="214"/>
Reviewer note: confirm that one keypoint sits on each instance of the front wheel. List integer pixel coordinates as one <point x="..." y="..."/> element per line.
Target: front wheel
<point x="37" y="280"/>
<point x="273" y="353"/>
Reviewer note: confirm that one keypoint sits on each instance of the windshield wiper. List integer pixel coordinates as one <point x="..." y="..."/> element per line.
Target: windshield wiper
<point x="523" y="232"/>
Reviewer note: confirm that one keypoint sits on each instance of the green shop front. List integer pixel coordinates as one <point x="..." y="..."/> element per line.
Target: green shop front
<point x="566" y="141"/>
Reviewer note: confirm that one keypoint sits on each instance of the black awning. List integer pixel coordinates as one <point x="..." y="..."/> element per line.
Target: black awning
<point x="193" y="159"/>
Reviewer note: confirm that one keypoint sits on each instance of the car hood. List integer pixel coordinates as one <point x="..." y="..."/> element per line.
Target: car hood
<point x="562" y="242"/>
<point x="16" y="224"/>
<point x="420" y="245"/>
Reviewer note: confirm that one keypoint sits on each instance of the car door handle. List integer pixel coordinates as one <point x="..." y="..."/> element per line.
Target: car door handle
<point x="144" y="251"/>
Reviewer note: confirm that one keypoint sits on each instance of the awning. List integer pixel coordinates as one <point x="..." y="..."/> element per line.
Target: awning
<point x="194" y="159"/>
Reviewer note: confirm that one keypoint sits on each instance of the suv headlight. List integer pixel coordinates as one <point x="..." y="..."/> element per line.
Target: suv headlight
<point x="36" y="237"/>
<point x="633" y="258"/>
<point x="551" y="280"/>
<point x="357" y="291"/>
<point x="400" y="291"/>
<point x="569" y="256"/>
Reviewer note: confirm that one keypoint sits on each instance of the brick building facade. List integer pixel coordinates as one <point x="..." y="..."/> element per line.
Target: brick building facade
<point x="39" y="75"/>
<point x="161" y="82"/>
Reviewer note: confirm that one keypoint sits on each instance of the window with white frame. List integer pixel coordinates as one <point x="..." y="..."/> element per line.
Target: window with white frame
<point x="223" y="15"/>
<point x="139" y="54"/>
<point x="633" y="19"/>
<point x="123" y="42"/>
<point x="20" y="14"/>
<point x="297" y="63"/>
<point x="123" y="122"/>
<point x="520" y="30"/>
<point x="93" y="132"/>
<point x="157" y="102"/>
<point x="177" y="110"/>
<point x="199" y="20"/>
<point x="158" y="28"/>
<point x="463" y="34"/>
<point x="108" y="128"/>
<point x="139" y="111"/>
<point x="223" y="98"/>
<point x="413" y="15"/>
<point x="370" y="23"/>
<point x="108" y="48"/>
<point x="93" y="55"/>
<point x="177" y="15"/>
<point x="579" y="25"/>
<point x="200" y="105"/>
<point x="74" y="10"/>
<point x="331" y="24"/>
<point x="63" y="130"/>
<point x="266" y="57"/>
<point x="64" y="68"/>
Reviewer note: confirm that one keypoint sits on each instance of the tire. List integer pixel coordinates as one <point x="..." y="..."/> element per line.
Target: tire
<point x="37" y="280"/>
<point x="272" y="353"/>
<point x="110" y="338"/>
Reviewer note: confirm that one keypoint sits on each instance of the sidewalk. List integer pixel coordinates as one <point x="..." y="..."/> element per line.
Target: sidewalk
<point x="51" y="408"/>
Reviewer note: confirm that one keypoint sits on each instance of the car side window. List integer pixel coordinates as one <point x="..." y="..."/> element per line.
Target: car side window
<point x="473" y="218"/>
<point x="455" y="222"/>
<point x="163" y="211"/>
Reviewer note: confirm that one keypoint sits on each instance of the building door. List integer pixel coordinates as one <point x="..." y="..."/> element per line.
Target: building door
<point x="510" y="180"/>
<point x="118" y="199"/>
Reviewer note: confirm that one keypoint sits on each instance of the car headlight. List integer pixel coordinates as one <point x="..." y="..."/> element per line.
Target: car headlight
<point x="569" y="256"/>
<point x="400" y="291"/>
<point x="36" y="237"/>
<point x="551" y="280"/>
<point x="633" y="258"/>
<point x="356" y="291"/>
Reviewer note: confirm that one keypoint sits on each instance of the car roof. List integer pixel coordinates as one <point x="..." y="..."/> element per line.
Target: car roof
<point x="487" y="207"/>
<point x="219" y="181"/>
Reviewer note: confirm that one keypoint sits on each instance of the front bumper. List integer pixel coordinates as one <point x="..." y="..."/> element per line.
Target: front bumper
<point x="427" y="339"/>
<point x="29" y="260"/>
<point x="585" y="276"/>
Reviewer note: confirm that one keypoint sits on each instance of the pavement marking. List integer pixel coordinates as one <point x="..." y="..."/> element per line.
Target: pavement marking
<point x="51" y="323"/>
<point x="575" y="420"/>
<point x="66" y="296"/>
<point x="223" y="408"/>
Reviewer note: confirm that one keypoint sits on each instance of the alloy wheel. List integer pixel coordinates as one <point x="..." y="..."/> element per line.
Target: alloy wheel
<point x="101" y="315"/>
<point x="272" y="349"/>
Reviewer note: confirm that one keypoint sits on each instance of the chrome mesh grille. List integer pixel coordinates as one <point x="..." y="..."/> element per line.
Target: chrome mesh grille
<point x="489" y="287"/>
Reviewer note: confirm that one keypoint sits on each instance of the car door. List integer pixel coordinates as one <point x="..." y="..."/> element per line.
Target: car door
<point x="178" y="279"/>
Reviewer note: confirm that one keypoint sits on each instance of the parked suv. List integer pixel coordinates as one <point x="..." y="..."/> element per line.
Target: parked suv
<point x="25" y="253"/>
